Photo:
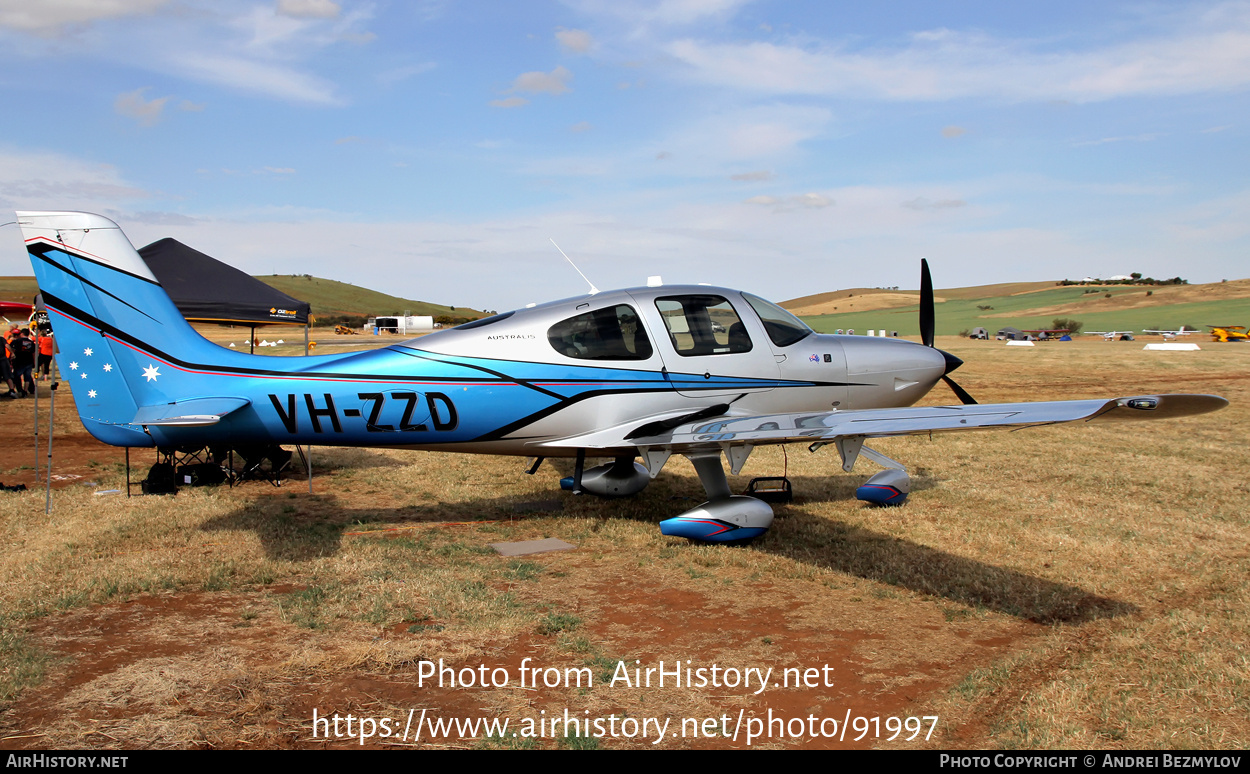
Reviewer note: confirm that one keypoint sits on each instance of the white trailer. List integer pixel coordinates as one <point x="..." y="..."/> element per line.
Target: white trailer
<point x="401" y="324"/>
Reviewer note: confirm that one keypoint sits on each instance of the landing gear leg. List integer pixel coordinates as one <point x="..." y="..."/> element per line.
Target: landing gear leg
<point x="889" y="487"/>
<point x="725" y="517"/>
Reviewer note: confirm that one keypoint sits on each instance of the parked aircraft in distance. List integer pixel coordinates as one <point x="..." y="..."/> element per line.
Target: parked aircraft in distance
<point x="1169" y="335"/>
<point x="643" y="373"/>
<point x="1227" y="333"/>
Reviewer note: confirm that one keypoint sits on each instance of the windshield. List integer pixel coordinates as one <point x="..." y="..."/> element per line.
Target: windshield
<point x="783" y="328"/>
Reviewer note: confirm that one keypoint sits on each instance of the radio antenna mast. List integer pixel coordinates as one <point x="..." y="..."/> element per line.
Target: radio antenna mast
<point x="593" y="289"/>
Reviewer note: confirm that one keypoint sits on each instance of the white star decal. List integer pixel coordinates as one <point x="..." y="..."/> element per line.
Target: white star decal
<point x="73" y="366"/>
<point x="90" y="393"/>
<point x="84" y="375"/>
<point x="108" y="367"/>
<point x="87" y="351"/>
<point x="151" y="372"/>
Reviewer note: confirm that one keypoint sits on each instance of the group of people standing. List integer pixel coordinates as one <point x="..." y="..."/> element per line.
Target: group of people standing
<point x="25" y="351"/>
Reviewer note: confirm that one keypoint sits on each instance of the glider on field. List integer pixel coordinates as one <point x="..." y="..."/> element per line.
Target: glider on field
<point x="643" y="373"/>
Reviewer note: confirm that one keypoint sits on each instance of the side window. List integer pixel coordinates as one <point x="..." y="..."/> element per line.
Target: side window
<point x="783" y="328"/>
<point x="703" y="325"/>
<point x="611" y="333"/>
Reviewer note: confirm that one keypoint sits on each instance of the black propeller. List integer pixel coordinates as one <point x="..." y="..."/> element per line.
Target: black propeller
<point x="926" y="333"/>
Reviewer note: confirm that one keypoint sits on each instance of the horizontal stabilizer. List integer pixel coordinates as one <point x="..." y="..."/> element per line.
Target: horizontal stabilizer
<point x="195" y="412"/>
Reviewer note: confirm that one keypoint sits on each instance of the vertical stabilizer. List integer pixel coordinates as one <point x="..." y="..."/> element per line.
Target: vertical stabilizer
<point x="106" y="309"/>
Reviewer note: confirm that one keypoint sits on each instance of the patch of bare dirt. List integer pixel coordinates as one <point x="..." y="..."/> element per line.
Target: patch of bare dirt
<point x="229" y="670"/>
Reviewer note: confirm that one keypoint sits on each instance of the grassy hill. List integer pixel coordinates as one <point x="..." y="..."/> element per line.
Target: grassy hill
<point x="327" y="297"/>
<point x="22" y="289"/>
<point x="1027" y="306"/>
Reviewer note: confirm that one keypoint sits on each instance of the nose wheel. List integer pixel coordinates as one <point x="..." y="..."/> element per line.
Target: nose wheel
<point x="725" y="517"/>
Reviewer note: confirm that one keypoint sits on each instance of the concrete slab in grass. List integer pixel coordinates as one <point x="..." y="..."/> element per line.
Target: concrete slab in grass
<point x="525" y="547"/>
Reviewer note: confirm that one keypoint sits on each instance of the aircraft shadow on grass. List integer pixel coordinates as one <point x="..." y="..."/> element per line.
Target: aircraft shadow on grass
<point x="303" y="528"/>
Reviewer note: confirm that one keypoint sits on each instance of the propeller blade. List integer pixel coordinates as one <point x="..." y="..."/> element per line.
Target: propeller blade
<point x="926" y="304"/>
<point x="960" y="393"/>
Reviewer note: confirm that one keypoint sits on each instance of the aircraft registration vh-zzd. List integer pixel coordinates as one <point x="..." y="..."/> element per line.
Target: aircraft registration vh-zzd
<point x="643" y="373"/>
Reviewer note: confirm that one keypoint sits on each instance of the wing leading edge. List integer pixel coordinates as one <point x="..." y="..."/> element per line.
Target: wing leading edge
<point x="876" y="423"/>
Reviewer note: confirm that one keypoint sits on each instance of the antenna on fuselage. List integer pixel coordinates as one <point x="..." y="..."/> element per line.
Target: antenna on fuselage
<point x="593" y="289"/>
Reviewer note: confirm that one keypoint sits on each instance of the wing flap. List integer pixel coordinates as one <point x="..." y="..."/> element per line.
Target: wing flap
<point x="195" y="412"/>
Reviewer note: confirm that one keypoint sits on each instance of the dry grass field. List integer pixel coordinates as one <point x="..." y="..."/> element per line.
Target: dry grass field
<point x="1062" y="587"/>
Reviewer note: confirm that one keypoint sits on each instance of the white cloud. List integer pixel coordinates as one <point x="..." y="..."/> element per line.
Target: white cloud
<point x="576" y="41"/>
<point x="753" y="177"/>
<point x="537" y="82"/>
<point x="32" y="181"/>
<point x="763" y="132"/>
<point x="254" y="76"/>
<point x="52" y="16"/>
<point x="309" y="9"/>
<point x="807" y="201"/>
<point x="399" y="74"/>
<point x="191" y="107"/>
<point x="581" y="126"/>
<point x="1126" y="138"/>
<point x="924" y="203"/>
<point x="509" y="102"/>
<point x="132" y="105"/>
<point x="660" y="12"/>
<point x="953" y="131"/>
<point x="1211" y="53"/>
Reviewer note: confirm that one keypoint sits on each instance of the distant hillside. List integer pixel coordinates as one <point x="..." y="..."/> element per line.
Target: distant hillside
<point x="21" y="289"/>
<point x="329" y="297"/>
<point x="1030" y="305"/>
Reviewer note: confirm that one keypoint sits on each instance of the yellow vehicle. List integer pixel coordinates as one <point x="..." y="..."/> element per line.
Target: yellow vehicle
<point x="1228" y="333"/>
<point x="343" y="330"/>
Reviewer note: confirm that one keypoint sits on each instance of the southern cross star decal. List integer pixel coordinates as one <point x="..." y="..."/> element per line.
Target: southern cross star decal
<point x="91" y="393"/>
<point x="73" y="366"/>
<point x="108" y="367"/>
<point x="87" y="351"/>
<point x="151" y="372"/>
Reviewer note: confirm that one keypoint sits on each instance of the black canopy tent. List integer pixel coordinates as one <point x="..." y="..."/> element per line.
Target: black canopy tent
<point x="206" y="290"/>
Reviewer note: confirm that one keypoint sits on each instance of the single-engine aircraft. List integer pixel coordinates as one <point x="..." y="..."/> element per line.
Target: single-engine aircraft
<point x="1111" y="335"/>
<point x="1169" y="335"/>
<point x="643" y="373"/>
<point x="1227" y="333"/>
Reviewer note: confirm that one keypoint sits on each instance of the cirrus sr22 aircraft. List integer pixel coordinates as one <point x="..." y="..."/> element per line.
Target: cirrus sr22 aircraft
<point x="638" y="374"/>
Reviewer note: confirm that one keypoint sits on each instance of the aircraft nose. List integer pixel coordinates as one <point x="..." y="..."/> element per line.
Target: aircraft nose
<point x="952" y="362"/>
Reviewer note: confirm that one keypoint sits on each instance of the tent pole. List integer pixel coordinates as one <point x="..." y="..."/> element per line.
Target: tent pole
<point x="36" y="420"/>
<point x="251" y="340"/>
<point x="47" y="505"/>
<point x="307" y="325"/>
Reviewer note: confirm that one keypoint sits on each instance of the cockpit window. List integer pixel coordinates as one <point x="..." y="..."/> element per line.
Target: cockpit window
<point x="484" y="321"/>
<point x="611" y="333"/>
<point x="703" y="325"/>
<point x="783" y="328"/>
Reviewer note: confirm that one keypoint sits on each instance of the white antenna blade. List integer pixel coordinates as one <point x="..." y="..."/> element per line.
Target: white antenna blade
<point x="593" y="289"/>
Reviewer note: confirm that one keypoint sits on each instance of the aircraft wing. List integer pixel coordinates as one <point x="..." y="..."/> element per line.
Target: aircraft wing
<point x="876" y="423"/>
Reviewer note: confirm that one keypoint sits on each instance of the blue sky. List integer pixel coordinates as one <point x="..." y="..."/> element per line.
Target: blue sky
<point x="432" y="148"/>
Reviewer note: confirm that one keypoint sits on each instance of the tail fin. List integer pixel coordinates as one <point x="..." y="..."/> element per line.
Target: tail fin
<point x="112" y="320"/>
